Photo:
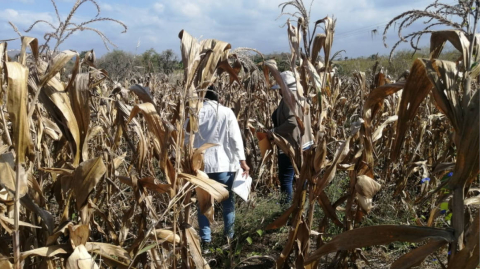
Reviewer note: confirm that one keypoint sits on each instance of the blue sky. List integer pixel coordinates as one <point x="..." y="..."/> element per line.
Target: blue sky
<point x="242" y="23"/>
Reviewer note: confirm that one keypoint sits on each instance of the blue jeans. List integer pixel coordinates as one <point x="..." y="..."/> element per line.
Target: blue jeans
<point x="228" y="208"/>
<point x="285" y="176"/>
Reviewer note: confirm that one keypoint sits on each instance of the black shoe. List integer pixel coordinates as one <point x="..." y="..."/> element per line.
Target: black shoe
<point x="206" y="247"/>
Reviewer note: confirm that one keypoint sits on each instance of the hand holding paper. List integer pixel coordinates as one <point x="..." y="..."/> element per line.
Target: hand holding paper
<point x="242" y="185"/>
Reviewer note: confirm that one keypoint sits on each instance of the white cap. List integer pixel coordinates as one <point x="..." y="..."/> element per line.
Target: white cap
<point x="289" y="79"/>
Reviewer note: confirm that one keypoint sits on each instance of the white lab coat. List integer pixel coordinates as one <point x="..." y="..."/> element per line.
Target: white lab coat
<point x="218" y="125"/>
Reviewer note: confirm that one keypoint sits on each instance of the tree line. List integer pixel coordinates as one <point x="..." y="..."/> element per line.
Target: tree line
<point x="121" y="64"/>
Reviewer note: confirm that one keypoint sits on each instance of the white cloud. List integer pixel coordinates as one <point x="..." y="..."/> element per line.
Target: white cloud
<point x="23" y="19"/>
<point x="159" y="7"/>
<point x="24" y="1"/>
<point x="191" y="10"/>
<point x="246" y="23"/>
<point x="106" y="7"/>
<point x="11" y="13"/>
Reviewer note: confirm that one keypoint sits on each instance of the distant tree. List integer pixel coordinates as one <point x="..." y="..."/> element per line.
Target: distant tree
<point x="282" y="59"/>
<point x="167" y="61"/>
<point x="164" y="62"/>
<point x="119" y="64"/>
<point x="150" y="60"/>
<point x="82" y="54"/>
<point x="401" y="61"/>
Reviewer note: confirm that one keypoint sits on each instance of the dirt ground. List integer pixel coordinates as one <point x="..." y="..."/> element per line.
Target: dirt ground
<point x="252" y="247"/>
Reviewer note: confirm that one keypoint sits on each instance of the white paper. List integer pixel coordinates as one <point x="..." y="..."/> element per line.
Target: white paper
<point x="242" y="185"/>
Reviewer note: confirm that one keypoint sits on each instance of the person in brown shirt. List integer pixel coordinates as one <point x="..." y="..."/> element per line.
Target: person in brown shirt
<point x="285" y="125"/>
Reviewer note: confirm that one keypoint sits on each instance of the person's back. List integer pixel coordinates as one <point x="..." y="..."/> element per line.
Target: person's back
<point x="286" y="126"/>
<point x="218" y="125"/>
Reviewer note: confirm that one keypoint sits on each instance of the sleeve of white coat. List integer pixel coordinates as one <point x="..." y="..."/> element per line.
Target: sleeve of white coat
<point x="236" y="142"/>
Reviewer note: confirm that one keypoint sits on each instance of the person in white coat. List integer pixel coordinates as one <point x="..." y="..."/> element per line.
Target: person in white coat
<point x="218" y="125"/>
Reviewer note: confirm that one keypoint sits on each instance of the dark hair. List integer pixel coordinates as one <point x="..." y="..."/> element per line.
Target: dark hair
<point x="211" y="94"/>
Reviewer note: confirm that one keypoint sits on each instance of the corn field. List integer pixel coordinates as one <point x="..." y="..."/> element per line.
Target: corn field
<point x="95" y="173"/>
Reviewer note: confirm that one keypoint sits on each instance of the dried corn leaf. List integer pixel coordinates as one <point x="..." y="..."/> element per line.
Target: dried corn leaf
<point x="60" y="171"/>
<point x="418" y="86"/>
<point x="380" y="79"/>
<point x="282" y="220"/>
<point x="294" y="41"/>
<point x="292" y="238"/>
<point x="113" y="262"/>
<point x="197" y="158"/>
<point x="78" y="234"/>
<point x="205" y="203"/>
<point x="149" y="183"/>
<point x="447" y="80"/>
<point x="167" y="235"/>
<point x="143" y="93"/>
<point x="3" y="60"/>
<point x="317" y="81"/>
<point x="378" y="132"/>
<point x="293" y="153"/>
<point x="195" y="250"/>
<point x="105" y="249"/>
<point x="472" y="201"/>
<point x="366" y="188"/>
<point x="28" y="42"/>
<point x="378" y="235"/>
<point x="318" y="44"/>
<point x="17" y="94"/>
<point x="217" y="190"/>
<point x="340" y="155"/>
<point x="232" y="72"/>
<point x="320" y="152"/>
<point x="141" y="151"/>
<point x="263" y="143"/>
<point x="216" y="51"/>
<point x="4" y="197"/>
<point x="288" y="96"/>
<point x="154" y="123"/>
<point x="7" y="174"/>
<point x="375" y="98"/>
<point x="51" y="129"/>
<point x="4" y="263"/>
<point x="49" y="251"/>
<point x="91" y="133"/>
<point x="86" y="177"/>
<point x="46" y="216"/>
<point x="329" y="32"/>
<point x="468" y="257"/>
<point x="57" y="103"/>
<point x="59" y="230"/>
<point x="190" y="55"/>
<point x="57" y="63"/>
<point x="416" y="256"/>
<point x="467" y="164"/>
<point x="80" y="103"/>
<point x="119" y="160"/>
<point x="190" y="58"/>
<point x="456" y="37"/>
<point x="89" y="58"/>
<point x="328" y="209"/>
<point x="21" y="223"/>
<point x="81" y="259"/>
